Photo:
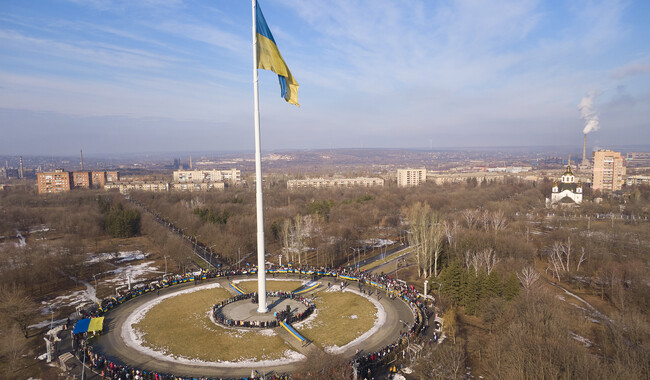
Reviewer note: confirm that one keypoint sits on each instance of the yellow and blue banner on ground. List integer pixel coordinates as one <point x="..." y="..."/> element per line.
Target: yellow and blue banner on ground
<point x="269" y="58"/>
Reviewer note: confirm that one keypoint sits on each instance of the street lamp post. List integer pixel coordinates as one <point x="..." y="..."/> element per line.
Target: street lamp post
<point x="165" y="266"/>
<point x="211" y="254"/>
<point x="96" y="287"/>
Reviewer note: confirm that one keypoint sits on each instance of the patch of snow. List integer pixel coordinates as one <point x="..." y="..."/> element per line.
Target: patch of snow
<point x="582" y="339"/>
<point x="354" y="317"/>
<point x="73" y="298"/>
<point x="133" y="339"/>
<point x="21" y="240"/>
<point x="46" y="323"/>
<point x="137" y="273"/>
<point x="309" y="322"/>
<point x="41" y="357"/>
<point x="377" y="243"/>
<point x="380" y="320"/>
<point x="41" y="228"/>
<point x="267" y="332"/>
<point x="122" y="256"/>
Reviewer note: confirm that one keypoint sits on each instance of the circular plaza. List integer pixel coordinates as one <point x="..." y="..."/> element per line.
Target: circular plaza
<point x="211" y="328"/>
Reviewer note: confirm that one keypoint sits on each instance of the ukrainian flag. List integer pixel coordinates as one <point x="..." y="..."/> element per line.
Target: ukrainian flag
<point x="269" y="58"/>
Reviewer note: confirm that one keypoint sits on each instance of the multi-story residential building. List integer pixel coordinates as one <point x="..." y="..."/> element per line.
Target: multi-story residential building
<point x="411" y="177"/>
<point x="112" y="176"/>
<point x="57" y="181"/>
<point x="480" y="177"/>
<point x="98" y="179"/>
<point x="638" y="180"/>
<point x="60" y="180"/>
<point x="197" y="186"/>
<point x="609" y="170"/>
<point x="125" y="187"/>
<point x="334" y="182"/>
<point x="185" y="176"/>
<point x="81" y="180"/>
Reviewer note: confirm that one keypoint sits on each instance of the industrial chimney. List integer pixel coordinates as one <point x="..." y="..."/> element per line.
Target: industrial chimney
<point x="585" y="162"/>
<point x="81" y="159"/>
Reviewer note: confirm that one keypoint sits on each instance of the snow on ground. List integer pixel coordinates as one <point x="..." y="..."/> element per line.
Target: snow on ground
<point x="122" y="256"/>
<point x="73" y="298"/>
<point x="582" y="339"/>
<point x="307" y="323"/>
<point x="136" y="273"/>
<point x="377" y="243"/>
<point x="21" y="240"/>
<point x="46" y="323"/>
<point x="133" y="339"/>
<point x="41" y="228"/>
<point x="379" y="322"/>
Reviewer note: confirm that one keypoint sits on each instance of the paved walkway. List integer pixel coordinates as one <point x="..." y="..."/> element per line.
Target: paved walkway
<point x="112" y="346"/>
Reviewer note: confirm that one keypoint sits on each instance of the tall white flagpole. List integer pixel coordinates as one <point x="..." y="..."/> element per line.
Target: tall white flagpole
<point x="261" y="267"/>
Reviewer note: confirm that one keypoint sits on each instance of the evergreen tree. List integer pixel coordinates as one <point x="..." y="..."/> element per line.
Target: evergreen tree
<point x="492" y="286"/>
<point x="511" y="288"/>
<point x="121" y="222"/>
<point x="452" y="283"/>
<point x="472" y="294"/>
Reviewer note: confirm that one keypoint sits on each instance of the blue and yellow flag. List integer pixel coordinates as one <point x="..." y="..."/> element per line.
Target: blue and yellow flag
<point x="269" y="58"/>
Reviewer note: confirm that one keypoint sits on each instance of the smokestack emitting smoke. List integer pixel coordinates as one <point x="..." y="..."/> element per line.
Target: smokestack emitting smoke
<point x="584" y="151"/>
<point x="588" y="114"/>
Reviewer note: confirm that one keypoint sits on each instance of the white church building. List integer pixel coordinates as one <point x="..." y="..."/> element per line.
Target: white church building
<point x="566" y="192"/>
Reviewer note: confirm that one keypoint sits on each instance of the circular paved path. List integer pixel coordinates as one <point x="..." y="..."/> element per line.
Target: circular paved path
<point x="112" y="345"/>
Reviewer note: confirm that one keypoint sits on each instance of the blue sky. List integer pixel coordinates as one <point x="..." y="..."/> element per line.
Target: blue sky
<point x="170" y="75"/>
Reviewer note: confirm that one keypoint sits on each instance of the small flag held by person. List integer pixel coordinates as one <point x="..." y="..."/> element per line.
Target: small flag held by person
<point x="269" y="58"/>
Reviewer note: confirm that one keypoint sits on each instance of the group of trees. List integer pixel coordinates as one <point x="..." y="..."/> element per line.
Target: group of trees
<point x="121" y="222"/>
<point x="479" y="245"/>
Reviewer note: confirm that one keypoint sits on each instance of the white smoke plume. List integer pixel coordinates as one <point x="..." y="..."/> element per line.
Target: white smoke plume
<point x="588" y="114"/>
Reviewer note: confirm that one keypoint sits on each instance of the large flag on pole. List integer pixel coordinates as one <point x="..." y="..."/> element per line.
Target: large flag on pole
<point x="269" y="58"/>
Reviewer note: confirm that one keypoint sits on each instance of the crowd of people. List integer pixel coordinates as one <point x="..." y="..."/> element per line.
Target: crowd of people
<point x="283" y="315"/>
<point x="368" y="361"/>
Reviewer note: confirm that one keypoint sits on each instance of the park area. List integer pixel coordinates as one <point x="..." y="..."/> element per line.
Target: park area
<point x="175" y="328"/>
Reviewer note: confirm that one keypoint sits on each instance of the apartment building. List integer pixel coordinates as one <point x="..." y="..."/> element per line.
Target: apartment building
<point x="609" y="170"/>
<point x="411" y="177"/>
<point x="57" y="181"/>
<point x="186" y="176"/>
<point x="334" y="182"/>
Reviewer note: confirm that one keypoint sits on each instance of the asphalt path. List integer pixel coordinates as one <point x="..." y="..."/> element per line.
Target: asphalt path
<point x="111" y="344"/>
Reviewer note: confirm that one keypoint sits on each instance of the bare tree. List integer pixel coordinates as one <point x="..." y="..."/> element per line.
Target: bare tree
<point x="17" y="307"/>
<point x="528" y="277"/>
<point x="471" y="217"/>
<point x="299" y="236"/>
<point x="498" y="221"/>
<point x="559" y="258"/>
<point x="487" y="258"/>
<point x="286" y="234"/>
<point x="425" y="236"/>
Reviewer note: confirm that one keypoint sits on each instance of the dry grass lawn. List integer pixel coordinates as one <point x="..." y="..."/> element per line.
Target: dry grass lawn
<point x="341" y="318"/>
<point x="180" y="326"/>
